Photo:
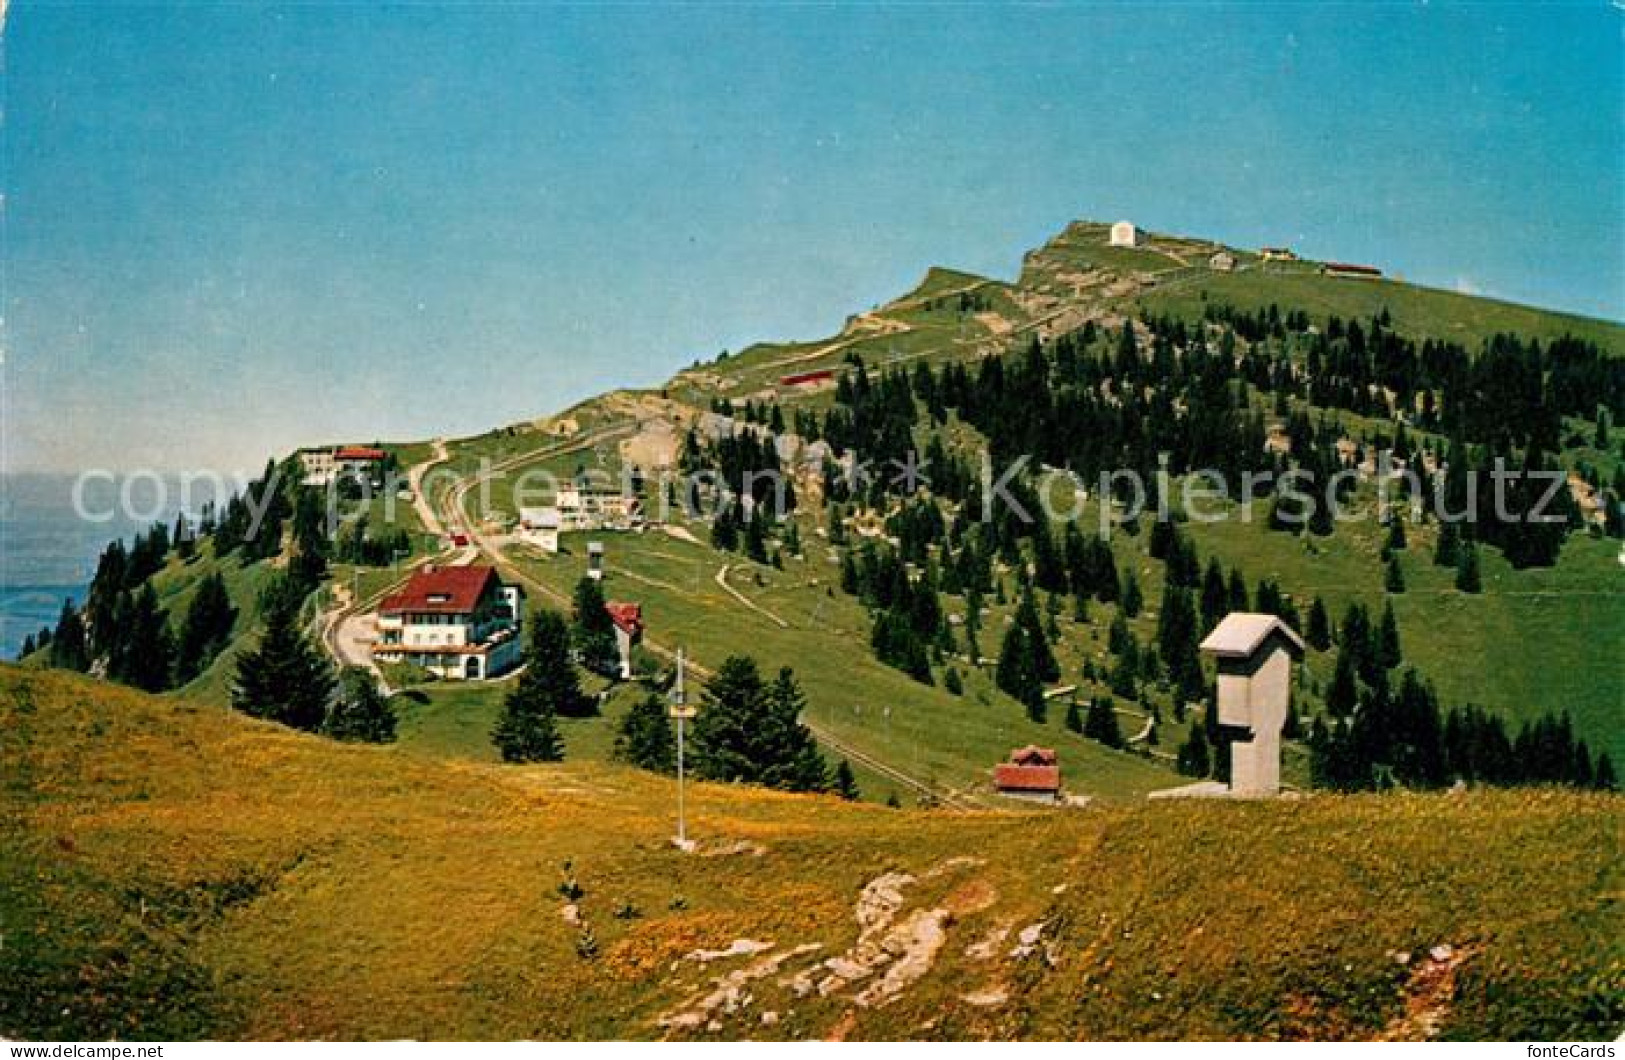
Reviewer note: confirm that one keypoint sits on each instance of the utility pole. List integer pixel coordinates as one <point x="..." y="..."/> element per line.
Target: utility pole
<point x="682" y="712"/>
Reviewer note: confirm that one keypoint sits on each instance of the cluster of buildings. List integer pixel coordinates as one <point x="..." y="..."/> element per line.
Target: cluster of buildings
<point x="359" y="463"/>
<point x="464" y="623"/>
<point x="576" y="509"/>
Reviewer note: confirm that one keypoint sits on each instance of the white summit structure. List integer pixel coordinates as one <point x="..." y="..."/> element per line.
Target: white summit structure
<point x="1124" y="234"/>
<point x="1254" y="655"/>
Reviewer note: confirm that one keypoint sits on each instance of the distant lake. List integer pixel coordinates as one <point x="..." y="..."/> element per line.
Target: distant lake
<point x="48" y="549"/>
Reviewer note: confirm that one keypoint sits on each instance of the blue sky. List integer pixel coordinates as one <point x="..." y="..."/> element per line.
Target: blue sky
<point x="231" y="230"/>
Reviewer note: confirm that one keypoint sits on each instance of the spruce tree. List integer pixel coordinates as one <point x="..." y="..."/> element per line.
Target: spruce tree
<point x="360" y="714"/>
<point x="1101" y="723"/>
<point x="1074" y="717"/>
<point x="1319" y="633"/>
<point x="528" y="729"/>
<point x="69" y="650"/>
<point x="1193" y="759"/>
<point x="284" y="678"/>
<point x="1468" y="578"/>
<point x="1393" y="580"/>
<point x="148" y="649"/>
<point x="846" y="785"/>
<point x="1447" y="553"/>
<point x="645" y="736"/>
<point x="1133" y="600"/>
<point x="750" y="731"/>
<point x="593" y="631"/>
<point x="1388" y="649"/>
<point x="206" y="629"/>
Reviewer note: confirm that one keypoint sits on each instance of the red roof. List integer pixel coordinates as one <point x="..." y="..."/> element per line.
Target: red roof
<point x="820" y="376"/>
<point x="1033" y="755"/>
<point x="359" y="452"/>
<point x="627" y="617"/>
<point x="441" y="590"/>
<point x="1008" y="777"/>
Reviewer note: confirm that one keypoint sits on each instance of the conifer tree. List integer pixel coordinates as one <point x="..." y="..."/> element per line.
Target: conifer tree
<point x="1133" y="600"/>
<point x="750" y="731"/>
<point x="592" y="630"/>
<point x="846" y="785"/>
<point x="1101" y="723"/>
<point x="283" y="678"/>
<point x="1194" y="759"/>
<point x="1468" y="578"/>
<point x="206" y="629"/>
<point x="1388" y="649"/>
<point x="1074" y="717"/>
<point x="69" y="650"/>
<point x="1447" y="553"/>
<point x="645" y="737"/>
<point x="1393" y="579"/>
<point x="1319" y="633"/>
<point x="360" y="714"/>
<point x="528" y="729"/>
<point x="147" y="652"/>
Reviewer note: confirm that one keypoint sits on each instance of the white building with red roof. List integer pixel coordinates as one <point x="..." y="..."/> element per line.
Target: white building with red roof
<point x="460" y="623"/>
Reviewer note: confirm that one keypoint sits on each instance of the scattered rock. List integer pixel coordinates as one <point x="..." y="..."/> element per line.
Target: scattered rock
<point x="736" y="948"/>
<point x="571" y="914"/>
<point x="987" y="997"/>
<point x="770" y="1018"/>
<point x="988" y="946"/>
<point x="731" y="995"/>
<point x="738" y="848"/>
<point x="1027" y="941"/>
<point x="1429" y="994"/>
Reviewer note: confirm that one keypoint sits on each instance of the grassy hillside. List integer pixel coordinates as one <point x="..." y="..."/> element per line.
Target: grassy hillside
<point x="171" y="871"/>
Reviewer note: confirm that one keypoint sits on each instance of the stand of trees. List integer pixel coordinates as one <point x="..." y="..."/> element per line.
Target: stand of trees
<point x="750" y="731"/>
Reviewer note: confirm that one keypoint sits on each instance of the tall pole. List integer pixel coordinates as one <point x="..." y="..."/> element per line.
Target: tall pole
<point x="681" y="711"/>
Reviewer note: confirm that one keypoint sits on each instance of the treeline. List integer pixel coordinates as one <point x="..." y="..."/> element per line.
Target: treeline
<point x="1094" y="402"/>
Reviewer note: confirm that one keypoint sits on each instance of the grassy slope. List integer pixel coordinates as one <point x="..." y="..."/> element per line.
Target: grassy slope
<point x="282" y="886"/>
<point x="1417" y="311"/>
<point x="926" y="732"/>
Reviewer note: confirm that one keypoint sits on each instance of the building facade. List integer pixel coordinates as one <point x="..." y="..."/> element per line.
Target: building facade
<point x="459" y="623"/>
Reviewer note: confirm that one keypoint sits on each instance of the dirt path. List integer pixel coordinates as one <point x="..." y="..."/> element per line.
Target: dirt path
<point x="480" y="543"/>
<point x="414" y="479"/>
<point x="722" y="580"/>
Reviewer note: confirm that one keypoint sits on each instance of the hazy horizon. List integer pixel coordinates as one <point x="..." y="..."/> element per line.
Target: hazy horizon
<point x="233" y="231"/>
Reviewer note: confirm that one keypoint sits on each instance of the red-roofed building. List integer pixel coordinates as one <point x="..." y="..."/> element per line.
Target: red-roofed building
<point x="628" y="619"/>
<point x="460" y="623"/>
<point x="1031" y="773"/>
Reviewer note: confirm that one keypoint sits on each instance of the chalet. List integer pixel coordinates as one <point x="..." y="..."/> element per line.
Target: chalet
<point x="1031" y="773"/>
<point x="1222" y="261"/>
<point x="460" y="623"/>
<point x="540" y="527"/>
<point x="1350" y="272"/>
<point x="628" y="619"/>
<point x="1277" y="254"/>
<point x="1124" y="234"/>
